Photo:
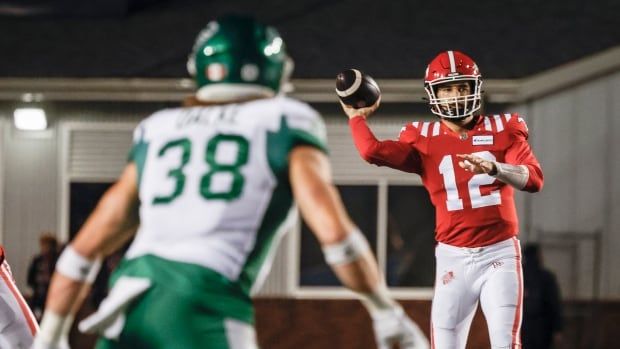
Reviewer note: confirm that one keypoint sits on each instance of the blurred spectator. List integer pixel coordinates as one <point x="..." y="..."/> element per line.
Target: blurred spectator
<point x="41" y="270"/>
<point x="542" y="311"/>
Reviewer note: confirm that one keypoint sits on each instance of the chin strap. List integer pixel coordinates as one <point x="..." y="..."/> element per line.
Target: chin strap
<point x="515" y="175"/>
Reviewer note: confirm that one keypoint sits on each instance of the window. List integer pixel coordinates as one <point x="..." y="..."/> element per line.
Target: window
<point x="361" y="203"/>
<point x="84" y="198"/>
<point x="410" y="237"/>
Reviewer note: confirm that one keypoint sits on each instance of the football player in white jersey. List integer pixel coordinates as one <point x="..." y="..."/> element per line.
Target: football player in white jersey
<point x="213" y="188"/>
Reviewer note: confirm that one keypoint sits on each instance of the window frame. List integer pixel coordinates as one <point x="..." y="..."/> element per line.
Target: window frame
<point x="66" y="176"/>
<point x="340" y="292"/>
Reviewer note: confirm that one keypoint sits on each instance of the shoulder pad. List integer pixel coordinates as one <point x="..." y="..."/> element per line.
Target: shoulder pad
<point x="410" y="132"/>
<point x="516" y="126"/>
<point x="303" y="117"/>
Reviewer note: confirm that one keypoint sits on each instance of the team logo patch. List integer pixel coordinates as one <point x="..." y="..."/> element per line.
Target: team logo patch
<point x="216" y="72"/>
<point x="497" y="264"/>
<point x="447" y="277"/>
<point x="482" y="140"/>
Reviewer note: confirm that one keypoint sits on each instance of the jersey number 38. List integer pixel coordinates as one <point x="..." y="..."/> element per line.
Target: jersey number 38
<point x="233" y="168"/>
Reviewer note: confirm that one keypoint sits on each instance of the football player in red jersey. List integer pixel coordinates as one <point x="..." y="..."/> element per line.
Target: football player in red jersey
<point x="17" y="323"/>
<point x="470" y="164"/>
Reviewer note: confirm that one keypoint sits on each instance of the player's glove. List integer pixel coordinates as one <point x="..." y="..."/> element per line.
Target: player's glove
<point x="393" y="327"/>
<point x="39" y="343"/>
<point x="53" y="332"/>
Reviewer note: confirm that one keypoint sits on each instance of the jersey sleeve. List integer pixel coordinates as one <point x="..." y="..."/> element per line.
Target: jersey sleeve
<point x="409" y="134"/>
<point x="137" y="144"/>
<point x="400" y="154"/>
<point x="298" y="125"/>
<point x="305" y="126"/>
<point x="519" y="152"/>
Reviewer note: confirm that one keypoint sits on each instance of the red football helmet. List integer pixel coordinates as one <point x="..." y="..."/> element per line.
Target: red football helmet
<point x="453" y="66"/>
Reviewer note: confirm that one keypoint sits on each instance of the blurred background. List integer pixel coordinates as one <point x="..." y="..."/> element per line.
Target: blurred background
<point x="77" y="76"/>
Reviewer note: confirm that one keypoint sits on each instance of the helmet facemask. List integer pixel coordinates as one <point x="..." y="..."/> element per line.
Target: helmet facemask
<point x="456" y="107"/>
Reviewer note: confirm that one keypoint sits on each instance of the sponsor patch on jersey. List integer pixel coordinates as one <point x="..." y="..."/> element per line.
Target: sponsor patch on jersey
<point x="482" y="140"/>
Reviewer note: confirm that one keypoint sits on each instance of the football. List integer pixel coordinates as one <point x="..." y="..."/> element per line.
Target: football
<point x="357" y="89"/>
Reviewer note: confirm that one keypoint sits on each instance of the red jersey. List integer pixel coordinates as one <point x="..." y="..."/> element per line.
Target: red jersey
<point x="472" y="210"/>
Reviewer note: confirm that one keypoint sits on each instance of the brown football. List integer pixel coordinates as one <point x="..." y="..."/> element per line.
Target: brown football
<point x="357" y="89"/>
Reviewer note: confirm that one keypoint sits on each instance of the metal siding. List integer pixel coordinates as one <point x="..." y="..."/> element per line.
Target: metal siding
<point x="611" y="239"/>
<point x="573" y="135"/>
<point x="30" y="168"/>
<point x="554" y="146"/>
<point x="98" y="153"/>
<point x="275" y="284"/>
<point x="589" y="155"/>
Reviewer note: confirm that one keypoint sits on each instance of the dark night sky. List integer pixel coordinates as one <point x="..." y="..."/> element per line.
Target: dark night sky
<point x="388" y="39"/>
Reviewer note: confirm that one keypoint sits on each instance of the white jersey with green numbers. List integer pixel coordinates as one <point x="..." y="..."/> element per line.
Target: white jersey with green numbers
<point x="213" y="183"/>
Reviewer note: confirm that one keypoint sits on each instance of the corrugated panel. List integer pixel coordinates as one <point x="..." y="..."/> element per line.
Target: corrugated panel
<point x="30" y="195"/>
<point x="275" y="284"/>
<point x="98" y="153"/>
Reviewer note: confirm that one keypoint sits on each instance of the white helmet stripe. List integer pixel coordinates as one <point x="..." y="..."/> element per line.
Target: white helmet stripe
<point x="452" y="63"/>
<point x="354" y="87"/>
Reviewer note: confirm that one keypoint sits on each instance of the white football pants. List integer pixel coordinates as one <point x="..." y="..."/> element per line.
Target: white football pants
<point x="490" y="275"/>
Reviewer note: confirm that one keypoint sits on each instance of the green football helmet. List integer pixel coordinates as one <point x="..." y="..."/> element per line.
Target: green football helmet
<point x="236" y="57"/>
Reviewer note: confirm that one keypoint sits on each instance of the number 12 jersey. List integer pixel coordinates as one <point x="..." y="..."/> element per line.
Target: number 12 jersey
<point x="472" y="210"/>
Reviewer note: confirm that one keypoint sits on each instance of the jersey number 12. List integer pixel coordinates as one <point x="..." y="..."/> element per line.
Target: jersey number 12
<point x="454" y="202"/>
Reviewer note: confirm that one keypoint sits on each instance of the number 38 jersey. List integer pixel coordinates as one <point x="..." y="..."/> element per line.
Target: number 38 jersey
<point x="213" y="183"/>
<point x="472" y="210"/>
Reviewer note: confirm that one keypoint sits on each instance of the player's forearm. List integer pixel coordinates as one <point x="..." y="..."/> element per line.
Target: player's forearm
<point x="382" y="153"/>
<point x="523" y="177"/>
<point x="62" y="295"/>
<point x="317" y="198"/>
<point x="66" y="293"/>
<point x="64" y="299"/>
<point x="521" y="153"/>
<point x="354" y="264"/>
<point x="360" y="275"/>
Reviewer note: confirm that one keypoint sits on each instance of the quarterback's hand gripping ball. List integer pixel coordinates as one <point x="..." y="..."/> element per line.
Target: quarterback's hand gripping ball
<point x="359" y="94"/>
<point x="357" y="89"/>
